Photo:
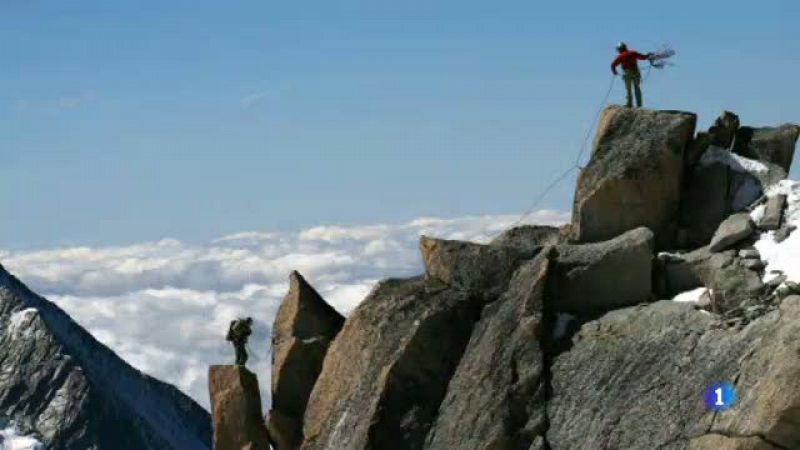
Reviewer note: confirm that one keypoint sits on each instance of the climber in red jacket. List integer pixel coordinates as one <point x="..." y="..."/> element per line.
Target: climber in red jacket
<point x="629" y="59"/>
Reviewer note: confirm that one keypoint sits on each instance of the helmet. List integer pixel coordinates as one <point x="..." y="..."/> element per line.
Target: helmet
<point x="621" y="47"/>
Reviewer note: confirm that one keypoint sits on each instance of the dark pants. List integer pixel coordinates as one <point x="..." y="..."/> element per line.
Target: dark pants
<point x="241" y="353"/>
<point x="633" y="81"/>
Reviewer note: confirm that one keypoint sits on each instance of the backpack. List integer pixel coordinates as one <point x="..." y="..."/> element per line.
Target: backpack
<point x="229" y="336"/>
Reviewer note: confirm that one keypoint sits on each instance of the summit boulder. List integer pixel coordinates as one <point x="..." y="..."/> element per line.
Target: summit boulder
<point x="634" y="176"/>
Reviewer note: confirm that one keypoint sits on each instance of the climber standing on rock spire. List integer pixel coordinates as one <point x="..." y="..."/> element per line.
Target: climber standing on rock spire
<point x="238" y="333"/>
<point x="629" y="59"/>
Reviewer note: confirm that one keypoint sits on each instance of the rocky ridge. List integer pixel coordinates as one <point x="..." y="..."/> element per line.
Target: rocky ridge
<point x="65" y="389"/>
<point x="570" y="338"/>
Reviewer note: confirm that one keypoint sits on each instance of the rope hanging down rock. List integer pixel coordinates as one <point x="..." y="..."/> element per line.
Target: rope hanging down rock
<point x="576" y="164"/>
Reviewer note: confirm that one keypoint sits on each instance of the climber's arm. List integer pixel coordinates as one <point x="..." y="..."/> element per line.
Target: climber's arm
<point x="617" y="61"/>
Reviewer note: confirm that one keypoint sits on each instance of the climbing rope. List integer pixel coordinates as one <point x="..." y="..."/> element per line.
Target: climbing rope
<point x="659" y="59"/>
<point x="576" y="165"/>
<point x="541" y="197"/>
<point x="594" y="123"/>
<point x="647" y="75"/>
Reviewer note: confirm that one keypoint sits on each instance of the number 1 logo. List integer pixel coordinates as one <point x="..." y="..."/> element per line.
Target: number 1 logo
<point x="720" y="396"/>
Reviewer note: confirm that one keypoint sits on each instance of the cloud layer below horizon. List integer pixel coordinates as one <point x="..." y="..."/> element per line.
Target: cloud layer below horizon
<point x="165" y="306"/>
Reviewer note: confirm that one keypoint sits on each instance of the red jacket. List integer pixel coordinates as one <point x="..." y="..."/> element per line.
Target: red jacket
<point x="628" y="59"/>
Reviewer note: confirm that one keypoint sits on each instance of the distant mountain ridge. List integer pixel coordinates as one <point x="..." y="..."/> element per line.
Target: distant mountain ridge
<point x="66" y="389"/>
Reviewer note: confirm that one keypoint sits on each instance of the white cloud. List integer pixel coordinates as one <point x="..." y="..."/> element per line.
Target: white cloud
<point x="165" y="306"/>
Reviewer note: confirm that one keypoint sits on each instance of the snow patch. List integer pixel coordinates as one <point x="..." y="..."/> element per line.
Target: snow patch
<point x="669" y="256"/>
<point x="758" y="213"/>
<point x="736" y="162"/>
<point x="762" y="175"/>
<point x="690" y="296"/>
<point x="783" y="256"/>
<point x="19" y="324"/>
<point x="10" y="439"/>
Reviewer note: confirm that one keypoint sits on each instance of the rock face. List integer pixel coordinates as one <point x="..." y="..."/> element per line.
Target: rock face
<point x="495" y="398"/>
<point x="676" y="273"/>
<point x="731" y="231"/>
<point x="732" y="283"/>
<point x="303" y="329"/>
<point x="721" y="442"/>
<point x="69" y="391"/>
<point x="724" y="130"/>
<point x="594" y="278"/>
<point x="634" y="176"/>
<point x="284" y="432"/>
<point x="473" y="267"/>
<point x="721" y="135"/>
<point x="387" y="371"/>
<point x="773" y="213"/>
<point x="633" y="379"/>
<point x="529" y="237"/>
<point x="732" y="279"/>
<point x="236" y="409"/>
<point x="775" y="145"/>
<point x="706" y="202"/>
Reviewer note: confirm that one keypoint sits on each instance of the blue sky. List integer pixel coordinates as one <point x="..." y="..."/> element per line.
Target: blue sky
<point x="128" y="121"/>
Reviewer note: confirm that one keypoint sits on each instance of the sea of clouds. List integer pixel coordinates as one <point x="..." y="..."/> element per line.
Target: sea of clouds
<point x="165" y="306"/>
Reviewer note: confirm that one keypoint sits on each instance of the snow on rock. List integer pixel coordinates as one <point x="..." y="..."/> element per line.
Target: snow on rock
<point x="10" y="439"/>
<point x="783" y="256"/>
<point x="19" y="324"/>
<point x="763" y="175"/>
<point x="732" y="160"/>
<point x="690" y="296"/>
<point x="758" y="213"/>
<point x="670" y="256"/>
